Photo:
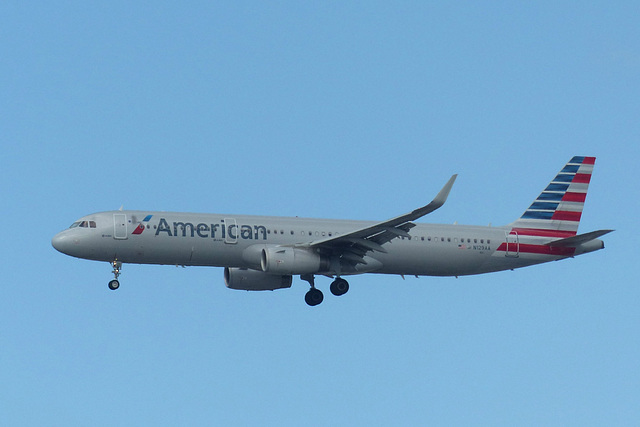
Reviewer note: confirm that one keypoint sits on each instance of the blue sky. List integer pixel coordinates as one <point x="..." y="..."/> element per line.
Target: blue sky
<point x="356" y="110"/>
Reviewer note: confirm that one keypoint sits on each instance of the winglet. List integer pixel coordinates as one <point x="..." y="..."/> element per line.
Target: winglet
<point x="385" y="226"/>
<point x="444" y="193"/>
<point x="437" y="202"/>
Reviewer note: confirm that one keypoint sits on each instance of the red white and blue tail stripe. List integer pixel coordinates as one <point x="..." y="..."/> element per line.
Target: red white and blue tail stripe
<point x="557" y="210"/>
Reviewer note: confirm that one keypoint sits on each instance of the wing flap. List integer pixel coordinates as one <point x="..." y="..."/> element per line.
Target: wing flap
<point x="367" y="244"/>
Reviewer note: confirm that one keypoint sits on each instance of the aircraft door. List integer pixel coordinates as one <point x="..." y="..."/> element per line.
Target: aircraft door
<point x="119" y="226"/>
<point x="231" y="236"/>
<point x="513" y="245"/>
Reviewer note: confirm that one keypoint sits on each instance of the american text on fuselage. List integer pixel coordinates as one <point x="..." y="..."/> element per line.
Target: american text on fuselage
<point x="219" y="230"/>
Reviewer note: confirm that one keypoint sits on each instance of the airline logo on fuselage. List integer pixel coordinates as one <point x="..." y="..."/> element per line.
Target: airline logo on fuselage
<point x="140" y="228"/>
<point x="219" y="230"/>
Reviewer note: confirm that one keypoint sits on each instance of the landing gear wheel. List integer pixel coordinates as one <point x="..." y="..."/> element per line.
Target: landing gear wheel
<point x="339" y="287"/>
<point x="313" y="297"/>
<point x="117" y="265"/>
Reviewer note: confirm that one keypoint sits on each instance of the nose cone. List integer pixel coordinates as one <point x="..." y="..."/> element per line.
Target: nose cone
<point x="62" y="243"/>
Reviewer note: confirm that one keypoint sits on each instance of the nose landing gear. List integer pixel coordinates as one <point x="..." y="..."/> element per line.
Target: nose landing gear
<point x="114" y="284"/>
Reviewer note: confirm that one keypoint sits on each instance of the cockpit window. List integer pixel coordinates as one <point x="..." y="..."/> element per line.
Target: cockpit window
<point x="84" y="224"/>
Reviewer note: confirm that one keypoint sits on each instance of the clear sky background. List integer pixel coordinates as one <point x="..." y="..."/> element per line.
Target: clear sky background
<point x="355" y="110"/>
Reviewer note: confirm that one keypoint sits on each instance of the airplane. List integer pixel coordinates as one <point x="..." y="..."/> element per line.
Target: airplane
<point x="264" y="252"/>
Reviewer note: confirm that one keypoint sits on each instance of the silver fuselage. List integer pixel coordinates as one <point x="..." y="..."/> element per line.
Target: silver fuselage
<point x="223" y="240"/>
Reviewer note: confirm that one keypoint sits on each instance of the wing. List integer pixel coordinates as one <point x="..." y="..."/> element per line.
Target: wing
<point x="352" y="247"/>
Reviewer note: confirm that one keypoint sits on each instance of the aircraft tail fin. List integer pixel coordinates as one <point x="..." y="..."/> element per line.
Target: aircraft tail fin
<point x="558" y="209"/>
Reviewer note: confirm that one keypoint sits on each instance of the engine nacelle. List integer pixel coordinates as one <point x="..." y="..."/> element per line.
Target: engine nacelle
<point x="254" y="280"/>
<point x="287" y="260"/>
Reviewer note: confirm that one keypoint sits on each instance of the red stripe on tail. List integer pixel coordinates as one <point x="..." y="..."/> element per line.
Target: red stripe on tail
<point x="566" y="216"/>
<point x="574" y="197"/>
<point x="582" y="178"/>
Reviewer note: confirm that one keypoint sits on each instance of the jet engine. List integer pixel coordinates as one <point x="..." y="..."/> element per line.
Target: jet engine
<point x="254" y="280"/>
<point x="287" y="260"/>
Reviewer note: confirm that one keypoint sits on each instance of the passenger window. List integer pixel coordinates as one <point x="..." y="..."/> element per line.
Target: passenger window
<point x="449" y="239"/>
<point x="488" y="242"/>
<point x="482" y="241"/>
<point x="475" y="240"/>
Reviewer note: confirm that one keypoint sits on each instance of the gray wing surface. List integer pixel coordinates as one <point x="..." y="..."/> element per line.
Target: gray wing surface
<point x="353" y="246"/>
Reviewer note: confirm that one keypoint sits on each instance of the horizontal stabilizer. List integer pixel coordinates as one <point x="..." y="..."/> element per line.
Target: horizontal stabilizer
<point x="579" y="239"/>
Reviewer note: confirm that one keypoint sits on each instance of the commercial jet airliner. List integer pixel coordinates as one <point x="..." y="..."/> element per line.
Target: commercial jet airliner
<point x="264" y="253"/>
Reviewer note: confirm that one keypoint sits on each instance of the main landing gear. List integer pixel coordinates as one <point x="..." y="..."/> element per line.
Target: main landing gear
<point x="339" y="287"/>
<point x="114" y="284"/>
<point x="314" y="296"/>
